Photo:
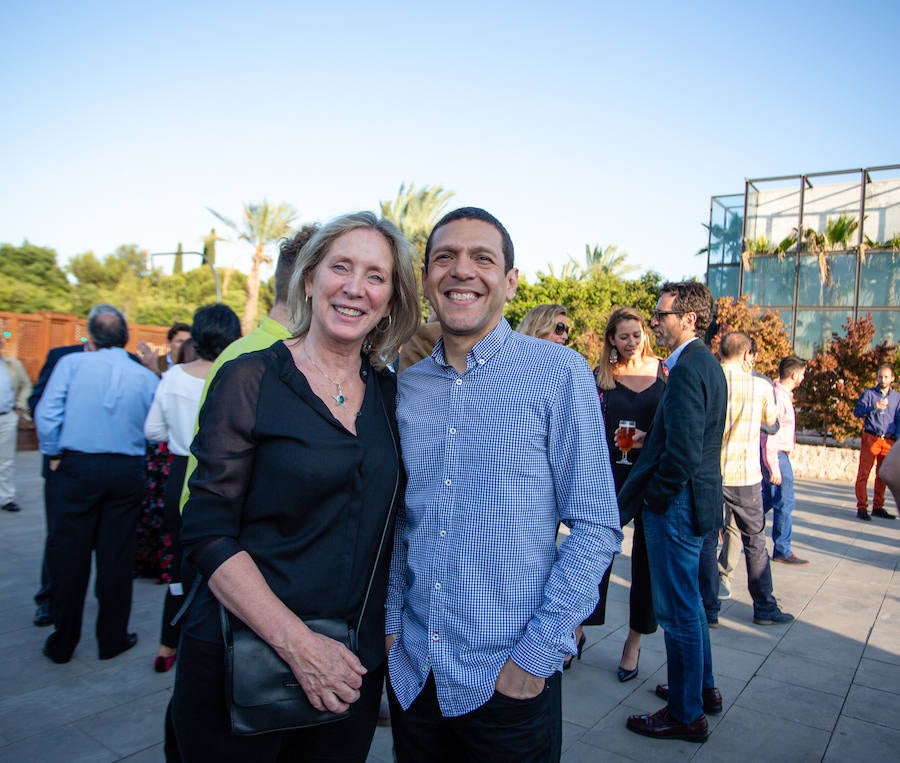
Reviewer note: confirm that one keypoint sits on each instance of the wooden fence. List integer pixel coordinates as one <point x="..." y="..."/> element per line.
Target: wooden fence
<point x="33" y="335"/>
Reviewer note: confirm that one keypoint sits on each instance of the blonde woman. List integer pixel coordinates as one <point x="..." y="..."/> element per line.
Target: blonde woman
<point x="630" y="382"/>
<point x="297" y="473"/>
<point x="546" y="322"/>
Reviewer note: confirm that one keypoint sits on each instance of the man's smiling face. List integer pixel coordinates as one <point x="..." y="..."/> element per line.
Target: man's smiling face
<point x="466" y="281"/>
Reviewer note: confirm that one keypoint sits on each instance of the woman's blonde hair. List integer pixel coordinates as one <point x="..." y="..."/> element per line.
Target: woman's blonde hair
<point x="540" y="321"/>
<point x="603" y="373"/>
<point x="382" y="342"/>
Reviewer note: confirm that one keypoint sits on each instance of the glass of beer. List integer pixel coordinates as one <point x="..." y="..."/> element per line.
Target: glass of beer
<point x="625" y="440"/>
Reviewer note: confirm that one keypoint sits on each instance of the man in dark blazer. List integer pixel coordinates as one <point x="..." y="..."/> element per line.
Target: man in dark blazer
<point x="43" y="616"/>
<point x="678" y="483"/>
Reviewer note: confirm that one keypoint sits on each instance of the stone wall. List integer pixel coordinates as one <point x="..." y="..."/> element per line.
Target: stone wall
<point x="817" y="462"/>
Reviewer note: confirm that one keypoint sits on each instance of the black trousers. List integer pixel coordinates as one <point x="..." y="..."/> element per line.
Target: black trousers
<point x="202" y="728"/>
<point x="182" y="571"/>
<point x="503" y="730"/>
<point x="95" y="502"/>
<point x="640" y="597"/>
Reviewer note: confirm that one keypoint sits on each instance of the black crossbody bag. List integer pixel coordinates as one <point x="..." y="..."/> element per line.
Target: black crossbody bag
<point x="262" y="693"/>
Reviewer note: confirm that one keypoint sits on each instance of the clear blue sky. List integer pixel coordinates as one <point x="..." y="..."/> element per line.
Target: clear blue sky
<point x="573" y="122"/>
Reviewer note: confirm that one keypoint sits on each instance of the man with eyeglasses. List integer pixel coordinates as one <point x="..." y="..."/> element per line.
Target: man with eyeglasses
<point x="678" y="481"/>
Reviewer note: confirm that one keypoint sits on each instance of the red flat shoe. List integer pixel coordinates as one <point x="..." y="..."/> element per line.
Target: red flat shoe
<point x="164" y="664"/>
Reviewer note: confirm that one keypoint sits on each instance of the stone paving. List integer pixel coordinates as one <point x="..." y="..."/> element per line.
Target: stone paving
<point x="826" y="687"/>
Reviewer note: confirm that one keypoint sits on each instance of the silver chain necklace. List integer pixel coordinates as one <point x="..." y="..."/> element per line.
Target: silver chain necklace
<point x="338" y="397"/>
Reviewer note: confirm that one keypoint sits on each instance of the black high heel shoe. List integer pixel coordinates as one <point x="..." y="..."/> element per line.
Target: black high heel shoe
<point x="567" y="663"/>
<point x="627" y="675"/>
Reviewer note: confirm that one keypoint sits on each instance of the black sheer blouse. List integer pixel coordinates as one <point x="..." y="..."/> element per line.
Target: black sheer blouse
<point x="279" y="477"/>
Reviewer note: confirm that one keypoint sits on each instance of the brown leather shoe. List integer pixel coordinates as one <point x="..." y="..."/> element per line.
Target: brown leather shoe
<point x="712" y="699"/>
<point x="661" y="725"/>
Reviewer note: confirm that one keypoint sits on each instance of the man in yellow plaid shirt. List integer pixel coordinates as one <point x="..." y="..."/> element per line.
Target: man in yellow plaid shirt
<point x="750" y="405"/>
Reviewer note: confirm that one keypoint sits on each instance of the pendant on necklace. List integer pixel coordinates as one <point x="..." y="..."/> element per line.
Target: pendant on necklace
<point x="339" y="398"/>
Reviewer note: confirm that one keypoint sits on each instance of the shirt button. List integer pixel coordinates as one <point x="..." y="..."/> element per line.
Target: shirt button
<point x="443" y="533"/>
<point x="480" y="361"/>
<point x="452" y="430"/>
<point x="447" y="483"/>
<point x="435" y="637"/>
<point x="437" y="586"/>
<point x="458" y="382"/>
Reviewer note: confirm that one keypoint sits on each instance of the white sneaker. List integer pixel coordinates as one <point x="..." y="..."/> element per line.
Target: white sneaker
<point x="724" y="589"/>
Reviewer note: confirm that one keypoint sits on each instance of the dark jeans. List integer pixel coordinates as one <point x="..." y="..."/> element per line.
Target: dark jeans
<point x="96" y="501"/>
<point x="503" y="730"/>
<point x="674" y="554"/>
<point x="708" y="576"/>
<point x="200" y="718"/>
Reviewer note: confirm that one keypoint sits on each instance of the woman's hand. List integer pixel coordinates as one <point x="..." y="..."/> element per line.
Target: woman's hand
<point x="329" y="673"/>
<point x="637" y="438"/>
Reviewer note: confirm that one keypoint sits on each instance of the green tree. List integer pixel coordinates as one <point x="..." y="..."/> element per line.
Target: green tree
<point x="836" y="377"/>
<point x="31" y="280"/>
<point x="261" y="225"/>
<point x="609" y="261"/>
<point x="415" y="213"/>
<point x="178" y="266"/>
<point x="588" y="303"/>
<point x="209" y="246"/>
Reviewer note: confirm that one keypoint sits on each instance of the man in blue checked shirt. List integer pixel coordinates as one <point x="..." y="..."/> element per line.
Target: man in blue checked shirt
<point x="502" y="439"/>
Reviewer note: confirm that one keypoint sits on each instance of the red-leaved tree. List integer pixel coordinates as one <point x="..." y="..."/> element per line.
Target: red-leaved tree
<point x="836" y="377"/>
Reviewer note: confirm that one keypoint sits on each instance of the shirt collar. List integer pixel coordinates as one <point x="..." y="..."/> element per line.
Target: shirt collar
<point x="273" y="328"/>
<point x="483" y="350"/>
<point x="676" y="353"/>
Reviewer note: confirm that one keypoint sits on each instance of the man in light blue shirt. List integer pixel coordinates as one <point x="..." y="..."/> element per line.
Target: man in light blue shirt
<point x="502" y="439"/>
<point x="90" y="423"/>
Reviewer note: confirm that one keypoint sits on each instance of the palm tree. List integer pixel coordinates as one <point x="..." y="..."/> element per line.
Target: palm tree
<point x="415" y="212"/>
<point x="839" y="231"/>
<point x="570" y="271"/>
<point x="606" y="262"/>
<point x="262" y="224"/>
<point x="726" y="237"/>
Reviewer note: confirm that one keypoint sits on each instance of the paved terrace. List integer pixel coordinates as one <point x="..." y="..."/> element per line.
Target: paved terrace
<point x="825" y="688"/>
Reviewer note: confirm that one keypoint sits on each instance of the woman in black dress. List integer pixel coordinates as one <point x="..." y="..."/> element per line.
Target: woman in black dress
<point x="297" y="473"/>
<point x="630" y="382"/>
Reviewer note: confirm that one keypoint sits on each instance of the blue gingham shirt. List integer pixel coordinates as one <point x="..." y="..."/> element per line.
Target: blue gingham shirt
<point x="495" y="458"/>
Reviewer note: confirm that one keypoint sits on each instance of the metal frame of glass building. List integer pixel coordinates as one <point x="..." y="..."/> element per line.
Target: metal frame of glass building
<point x="821" y="281"/>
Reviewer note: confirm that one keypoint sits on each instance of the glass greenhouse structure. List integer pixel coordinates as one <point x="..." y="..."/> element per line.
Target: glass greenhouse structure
<point x="795" y="244"/>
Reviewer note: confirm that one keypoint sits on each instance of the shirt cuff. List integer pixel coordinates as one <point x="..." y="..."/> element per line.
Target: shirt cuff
<point x="392" y="621"/>
<point x="536" y="660"/>
<point x="213" y="554"/>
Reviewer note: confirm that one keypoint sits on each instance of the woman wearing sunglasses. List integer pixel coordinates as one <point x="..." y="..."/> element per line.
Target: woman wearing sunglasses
<point x="546" y="322"/>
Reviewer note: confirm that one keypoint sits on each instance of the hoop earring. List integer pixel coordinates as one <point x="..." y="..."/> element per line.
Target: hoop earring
<point x="381" y="328"/>
<point x="613" y="356"/>
<point x="308" y="299"/>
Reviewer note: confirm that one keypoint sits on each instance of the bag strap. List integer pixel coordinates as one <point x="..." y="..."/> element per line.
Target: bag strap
<point x="198" y="579"/>
<point x="388" y="384"/>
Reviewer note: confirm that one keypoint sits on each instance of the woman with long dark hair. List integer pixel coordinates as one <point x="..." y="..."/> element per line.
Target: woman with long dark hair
<point x="172" y="419"/>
